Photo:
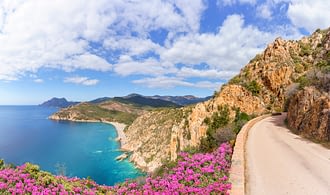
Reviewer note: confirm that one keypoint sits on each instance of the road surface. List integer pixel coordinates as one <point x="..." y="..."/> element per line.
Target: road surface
<point x="280" y="162"/>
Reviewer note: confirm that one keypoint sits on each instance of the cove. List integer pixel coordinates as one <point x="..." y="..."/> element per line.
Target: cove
<point x="70" y="148"/>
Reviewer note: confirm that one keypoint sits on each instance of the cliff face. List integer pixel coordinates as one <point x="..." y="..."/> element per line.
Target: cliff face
<point x="309" y="114"/>
<point x="261" y="86"/>
<point x="153" y="137"/>
<point x="309" y="108"/>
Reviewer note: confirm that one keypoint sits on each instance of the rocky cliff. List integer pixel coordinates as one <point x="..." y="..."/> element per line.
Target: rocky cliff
<point x="309" y="107"/>
<point x="309" y="113"/>
<point x="261" y="86"/>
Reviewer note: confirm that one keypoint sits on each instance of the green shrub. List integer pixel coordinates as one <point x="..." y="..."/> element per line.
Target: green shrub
<point x="240" y="119"/>
<point x="253" y="87"/>
<point x="2" y="164"/>
<point x="258" y="57"/>
<point x="305" y="50"/>
<point x="191" y="150"/>
<point x="303" y="81"/>
<point x="324" y="65"/>
<point x="299" y="68"/>
<point x="236" y="80"/>
<point x="219" y="119"/>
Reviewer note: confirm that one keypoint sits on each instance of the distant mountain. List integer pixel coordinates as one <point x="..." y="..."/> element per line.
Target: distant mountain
<point x="58" y="102"/>
<point x="156" y="100"/>
<point x="182" y="100"/>
<point x="100" y="100"/>
<point x="145" y="101"/>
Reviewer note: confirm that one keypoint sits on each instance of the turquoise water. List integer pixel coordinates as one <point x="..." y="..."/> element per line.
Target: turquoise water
<point x="70" y="148"/>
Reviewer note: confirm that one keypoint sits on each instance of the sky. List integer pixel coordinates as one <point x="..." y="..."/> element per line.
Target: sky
<point x="85" y="49"/>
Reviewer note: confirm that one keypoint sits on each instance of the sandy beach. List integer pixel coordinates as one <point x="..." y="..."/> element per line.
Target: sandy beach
<point x="121" y="137"/>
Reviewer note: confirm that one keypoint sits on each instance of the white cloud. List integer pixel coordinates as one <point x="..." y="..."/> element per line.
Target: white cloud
<point x="227" y="50"/>
<point x="58" y="34"/>
<point x="61" y="34"/>
<point x="233" y="2"/>
<point x="170" y="82"/>
<point x="187" y="72"/>
<point x="131" y="45"/>
<point x="38" y="80"/>
<point x="310" y="14"/>
<point x="81" y="80"/>
<point x="264" y="11"/>
<point x="150" y="66"/>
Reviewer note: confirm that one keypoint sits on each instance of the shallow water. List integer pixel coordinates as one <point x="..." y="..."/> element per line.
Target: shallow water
<point x="70" y="148"/>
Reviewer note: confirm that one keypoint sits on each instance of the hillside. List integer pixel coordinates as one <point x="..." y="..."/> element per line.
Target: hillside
<point x="117" y="109"/>
<point x="264" y="85"/>
<point x="58" y="103"/>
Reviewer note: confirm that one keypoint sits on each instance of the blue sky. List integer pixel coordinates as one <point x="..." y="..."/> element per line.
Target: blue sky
<point x="84" y="49"/>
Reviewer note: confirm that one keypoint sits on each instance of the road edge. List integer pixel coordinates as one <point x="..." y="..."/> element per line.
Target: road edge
<point x="237" y="173"/>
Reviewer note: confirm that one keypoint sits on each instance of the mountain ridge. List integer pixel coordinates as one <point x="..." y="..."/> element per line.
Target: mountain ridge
<point x="171" y="100"/>
<point x="58" y="102"/>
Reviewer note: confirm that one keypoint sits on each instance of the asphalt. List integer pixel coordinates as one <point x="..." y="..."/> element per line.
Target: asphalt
<point x="280" y="162"/>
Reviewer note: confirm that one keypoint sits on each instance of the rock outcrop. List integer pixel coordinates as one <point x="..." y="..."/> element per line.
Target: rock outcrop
<point x="309" y="114"/>
<point x="309" y="108"/>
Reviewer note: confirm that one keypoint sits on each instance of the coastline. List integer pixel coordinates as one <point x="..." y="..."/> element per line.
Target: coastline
<point x="119" y="127"/>
<point x="121" y="137"/>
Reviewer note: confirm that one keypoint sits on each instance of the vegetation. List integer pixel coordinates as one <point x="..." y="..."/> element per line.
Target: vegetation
<point x="303" y="81"/>
<point x="28" y="179"/>
<point x="253" y="87"/>
<point x="141" y="101"/>
<point x="324" y="65"/>
<point x="240" y="119"/>
<point x="218" y="120"/>
<point x="87" y="111"/>
<point x="236" y="80"/>
<point x="305" y="49"/>
<point x="220" y="129"/>
<point x="191" y="174"/>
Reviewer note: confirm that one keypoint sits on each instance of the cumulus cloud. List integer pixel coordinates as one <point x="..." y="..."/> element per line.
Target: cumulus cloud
<point x="227" y="50"/>
<point x="60" y="34"/>
<point x="81" y="80"/>
<point x="310" y="14"/>
<point x="264" y="11"/>
<point x="169" y="82"/>
<point x="223" y="53"/>
<point x="116" y="37"/>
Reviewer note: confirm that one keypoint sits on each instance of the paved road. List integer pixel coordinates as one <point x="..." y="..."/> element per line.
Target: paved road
<point x="279" y="162"/>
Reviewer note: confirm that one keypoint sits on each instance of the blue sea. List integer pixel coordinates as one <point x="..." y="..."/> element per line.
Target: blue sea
<point x="69" y="148"/>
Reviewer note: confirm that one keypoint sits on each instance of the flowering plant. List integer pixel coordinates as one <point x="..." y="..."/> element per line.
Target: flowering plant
<point x="194" y="174"/>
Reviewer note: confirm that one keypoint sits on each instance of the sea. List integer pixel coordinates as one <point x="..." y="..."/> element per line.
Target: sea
<point x="73" y="149"/>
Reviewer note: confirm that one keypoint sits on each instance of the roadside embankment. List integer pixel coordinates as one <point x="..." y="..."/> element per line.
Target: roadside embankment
<point x="238" y="164"/>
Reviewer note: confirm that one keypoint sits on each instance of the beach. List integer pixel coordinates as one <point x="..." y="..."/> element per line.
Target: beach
<point x="121" y="137"/>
